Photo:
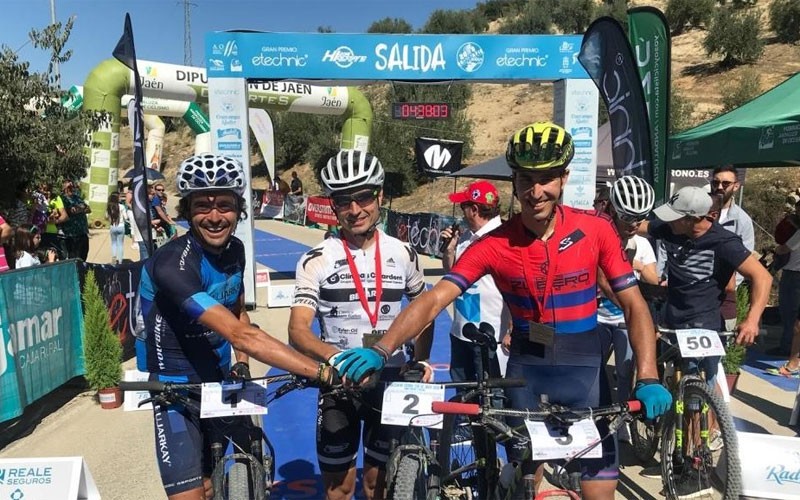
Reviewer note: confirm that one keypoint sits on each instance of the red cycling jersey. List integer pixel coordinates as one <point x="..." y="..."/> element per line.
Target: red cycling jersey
<point x="562" y="272"/>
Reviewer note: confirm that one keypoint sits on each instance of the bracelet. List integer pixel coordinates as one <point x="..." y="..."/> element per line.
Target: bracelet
<point x="425" y="363"/>
<point x="385" y="354"/>
<point x="320" y="371"/>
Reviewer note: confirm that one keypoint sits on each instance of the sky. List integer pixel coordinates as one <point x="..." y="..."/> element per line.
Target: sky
<point x="158" y="24"/>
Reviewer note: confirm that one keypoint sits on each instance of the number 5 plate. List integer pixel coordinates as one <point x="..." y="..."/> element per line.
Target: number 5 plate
<point x="699" y="343"/>
<point x="548" y="444"/>
<point x="404" y="401"/>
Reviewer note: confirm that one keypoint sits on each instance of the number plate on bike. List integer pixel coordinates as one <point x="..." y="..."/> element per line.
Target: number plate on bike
<point x="409" y="403"/>
<point x="218" y="400"/>
<point x="549" y="444"/>
<point x="699" y="343"/>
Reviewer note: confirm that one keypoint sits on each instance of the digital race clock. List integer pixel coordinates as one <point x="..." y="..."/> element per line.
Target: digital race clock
<point x="420" y="110"/>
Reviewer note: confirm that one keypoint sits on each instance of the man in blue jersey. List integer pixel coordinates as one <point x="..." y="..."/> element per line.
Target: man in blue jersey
<point x="192" y="299"/>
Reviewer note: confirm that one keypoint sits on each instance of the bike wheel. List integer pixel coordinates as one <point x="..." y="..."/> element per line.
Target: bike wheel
<point x="646" y="435"/>
<point x="467" y="457"/>
<point x="238" y="483"/>
<point x="407" y="481"/>
<point x="711" y="470"/>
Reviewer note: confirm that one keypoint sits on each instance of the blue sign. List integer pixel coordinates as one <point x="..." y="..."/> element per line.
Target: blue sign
<point x="370" y="57"/>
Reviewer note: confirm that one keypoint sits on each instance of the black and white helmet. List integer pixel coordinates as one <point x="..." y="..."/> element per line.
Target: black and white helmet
<point x="350" y="168"/>
<point x="632" y="196"/>
<point x="207" y="172"/>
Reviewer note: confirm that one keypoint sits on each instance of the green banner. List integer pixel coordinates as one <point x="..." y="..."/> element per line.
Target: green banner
<point x="650" y="39"/>
<point x="41" y="325"/>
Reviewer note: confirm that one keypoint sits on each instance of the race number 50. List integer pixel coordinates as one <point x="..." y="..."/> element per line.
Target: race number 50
<point x="699" y="343"/>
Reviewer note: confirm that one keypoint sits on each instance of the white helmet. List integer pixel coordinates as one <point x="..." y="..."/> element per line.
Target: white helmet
<point x="632" y="196"/>
<point x="207" y="172"/>
<point x="351" y="168"/>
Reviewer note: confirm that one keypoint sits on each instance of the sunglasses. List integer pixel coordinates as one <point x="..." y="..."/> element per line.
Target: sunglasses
<point x="631" y="220"/>
<point x="159" y="189"/>
<point x="205" y="207"/>
<point x="362" y="198"/>
<point x="724" y="184"/>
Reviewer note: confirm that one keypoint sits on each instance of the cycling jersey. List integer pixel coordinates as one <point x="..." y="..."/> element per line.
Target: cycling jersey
<point x="179" y="283"/>
<point x="552" y="282"/>
<point x="324" y="282"/>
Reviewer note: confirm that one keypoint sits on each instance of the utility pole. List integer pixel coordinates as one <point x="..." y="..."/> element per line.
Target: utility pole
<point x="56" y="67"/>
<point x="187" y="32"/>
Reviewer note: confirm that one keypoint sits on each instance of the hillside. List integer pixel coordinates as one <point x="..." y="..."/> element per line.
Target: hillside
<point x="498" y="109"/>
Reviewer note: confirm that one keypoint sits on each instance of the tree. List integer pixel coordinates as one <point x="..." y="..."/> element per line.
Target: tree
<point x="301" y="137"/>
<point x="573" y="16"/>
<point x="735" y="35"/>
<point x="784" y="20"/>
<point x="390" y="25"/>
<point x="536" y="18"/>
<point x="743" y="90"/>
<point x="692" y="13"/>
<point x="618" y="9"/>
<point x="493" y="10"/>
<point x="40" y="140"/>
<point x="454" y="22"/>
<point x="680" y="112"/>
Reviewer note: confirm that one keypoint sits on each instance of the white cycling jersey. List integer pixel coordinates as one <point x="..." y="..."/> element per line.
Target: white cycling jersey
<point x="325" y="283"/>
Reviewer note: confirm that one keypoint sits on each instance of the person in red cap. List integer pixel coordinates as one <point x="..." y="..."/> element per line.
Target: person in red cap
<point x="481" y="302"/>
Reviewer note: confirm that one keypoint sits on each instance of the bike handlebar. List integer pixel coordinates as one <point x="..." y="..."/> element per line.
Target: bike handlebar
<point x="474" y="409"/>
<point x="675" y="330"/>
<point x="453" y="408"/>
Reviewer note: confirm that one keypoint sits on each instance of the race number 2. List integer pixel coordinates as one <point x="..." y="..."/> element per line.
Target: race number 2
<point x="699" y="343"/>
<point x="407" y="403"/>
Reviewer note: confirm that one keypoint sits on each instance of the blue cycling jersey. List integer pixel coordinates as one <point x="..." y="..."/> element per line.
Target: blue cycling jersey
<point x="179" y="283"/>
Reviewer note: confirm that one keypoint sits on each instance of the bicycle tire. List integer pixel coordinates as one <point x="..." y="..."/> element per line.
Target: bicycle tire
<point x="408" y="480"/>
<point x="462" y="444"/>
<point x="727" y="483"/>
<point x="645" y="439"/>
<point x="238" y="485"/>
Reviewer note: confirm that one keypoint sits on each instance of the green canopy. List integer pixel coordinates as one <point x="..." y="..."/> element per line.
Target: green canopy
<point x="764" y="132"/>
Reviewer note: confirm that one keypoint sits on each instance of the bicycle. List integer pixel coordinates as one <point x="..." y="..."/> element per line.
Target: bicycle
<point x="245" y="474"/>
<point x="416" y="468"/>
<point x="482" y="419"/>
<point x="708" y="464"/>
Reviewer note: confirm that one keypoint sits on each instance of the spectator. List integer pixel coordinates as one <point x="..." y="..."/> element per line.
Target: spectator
<point x="120" y="187"/>
<point x="27" y="239"/>
<point x="76" y="227"/>
<point x="482" y="301"/>
<point x="725" y="183"/>
<point x="171" y="230"/>
<point x="788" y="238"/>
<point x="5" y="236"/>
<point x="115" y="213"/>
<point x="144" y="252"/>
<point x="159" y="206"/>
<point x="21" y="213"/>
<point x="38" y="207"/>
<point x="53" y="236"/>
<point x="297" y="185"/>
<point x="791" y="368"/>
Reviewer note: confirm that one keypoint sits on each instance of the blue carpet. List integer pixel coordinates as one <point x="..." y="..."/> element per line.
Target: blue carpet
<point x="757" y="362"/>
<point x="291" y="426"/>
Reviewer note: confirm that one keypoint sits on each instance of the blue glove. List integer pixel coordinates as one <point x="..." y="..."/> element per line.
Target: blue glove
<point x="357" y="363"/>
<point x="655" y="398"/>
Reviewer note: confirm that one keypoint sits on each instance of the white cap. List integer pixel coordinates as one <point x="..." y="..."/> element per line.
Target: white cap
<point x="690" y="200"/>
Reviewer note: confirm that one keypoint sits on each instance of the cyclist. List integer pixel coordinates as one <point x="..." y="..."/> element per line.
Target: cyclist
<point x="630" y="200"/>
<point x="702" y="257"/>
<point x="353" y="283"/>
<point x="192" y="300"/>
<point x="544" y="261"/>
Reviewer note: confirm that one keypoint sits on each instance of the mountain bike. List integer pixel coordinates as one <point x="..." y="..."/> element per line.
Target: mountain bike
<point x="249" y="471"/>
<point x="699" y="447"/>
<point x="487" y="421"/>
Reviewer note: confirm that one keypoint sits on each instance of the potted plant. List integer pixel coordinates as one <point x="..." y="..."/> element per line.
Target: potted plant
<point x="735" y="354"/>
<point x="101" y="348"/>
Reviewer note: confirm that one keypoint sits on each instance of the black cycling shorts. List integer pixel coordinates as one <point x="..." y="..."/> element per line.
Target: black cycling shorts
<point x="339" y="428"/>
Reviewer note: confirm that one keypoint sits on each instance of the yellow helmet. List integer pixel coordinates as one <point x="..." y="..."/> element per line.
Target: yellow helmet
<point x="540" y="146"/>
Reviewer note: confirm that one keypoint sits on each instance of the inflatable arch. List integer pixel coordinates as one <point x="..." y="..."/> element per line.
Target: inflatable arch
<point x="110" y="80"/>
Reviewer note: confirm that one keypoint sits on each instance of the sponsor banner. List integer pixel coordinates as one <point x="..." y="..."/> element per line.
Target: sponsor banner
<point x="51" y="478"/>
<point x="318" y="209"/>
<point x="770" y="465"/>
<point x="680" y="178"/>
<point x="261" y="125"/>
<point x="575" y="107"/>
<point x="608" y="58"/>
<point x="41" y="325"/>
<point x="294" y="209"/>
<point x="120" y="288"/>
<point x="651" y="42"/>
<point x="268" y="203"/>
<point x="438" y="157"/>
<point x="359" y="57"/>
<point x="421" y="230"/>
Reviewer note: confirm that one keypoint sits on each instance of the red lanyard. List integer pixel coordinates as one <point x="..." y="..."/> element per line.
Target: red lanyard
<point x="360" y="290"/>
<point x="551" y="263"/>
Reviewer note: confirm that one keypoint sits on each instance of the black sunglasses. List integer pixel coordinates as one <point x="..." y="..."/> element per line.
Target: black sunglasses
<point x="724" y="184"/>
<point x="362" y="198"/>
<point x="630" y="219"/>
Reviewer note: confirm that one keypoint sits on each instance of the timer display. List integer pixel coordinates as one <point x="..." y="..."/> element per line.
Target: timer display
<point x="420" y="110"/>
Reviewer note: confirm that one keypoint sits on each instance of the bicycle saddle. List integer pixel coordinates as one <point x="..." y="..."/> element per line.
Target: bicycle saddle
<point x="482" y="335"/>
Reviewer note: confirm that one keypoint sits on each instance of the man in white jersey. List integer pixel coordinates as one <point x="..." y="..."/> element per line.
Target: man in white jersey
<point x="628" y="202"/>
<point x="353" y="284"/>
<point x="482" y="302"/>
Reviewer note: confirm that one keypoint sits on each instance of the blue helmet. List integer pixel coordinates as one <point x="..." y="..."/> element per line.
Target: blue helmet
<point x="207" y="172"/>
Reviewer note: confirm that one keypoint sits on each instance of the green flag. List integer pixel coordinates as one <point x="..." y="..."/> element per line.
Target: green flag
<point x="649" y="37"/>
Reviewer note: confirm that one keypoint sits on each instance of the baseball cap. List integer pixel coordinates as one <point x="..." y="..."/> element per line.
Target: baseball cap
<point x="690" y="200"/>
<point x="481" y="192"/>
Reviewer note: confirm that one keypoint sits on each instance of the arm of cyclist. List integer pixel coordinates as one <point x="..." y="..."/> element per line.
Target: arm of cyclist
<point x="760" y="285"/>
<point x="241" y="366"/>
<point x="260" y="345"/>
<point x="422" y="352"/>
<point x="605" y="287"/>
<point x="356" y="363"/>
<point x="302" y="338"/>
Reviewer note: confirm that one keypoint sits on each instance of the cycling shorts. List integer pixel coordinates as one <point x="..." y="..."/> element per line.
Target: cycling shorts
<point x="339" y="429"/>
<point x="571" y="386"/>
<point x="183" y="441"/>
